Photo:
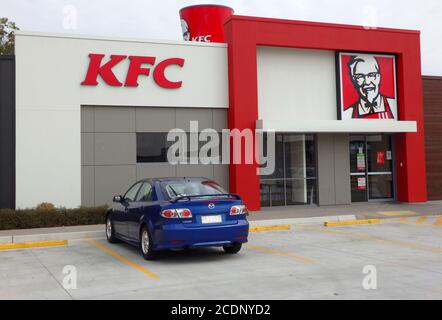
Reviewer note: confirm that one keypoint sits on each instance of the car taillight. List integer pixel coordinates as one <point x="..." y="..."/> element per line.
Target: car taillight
<point x="237" y="210"/>
<point x="169" y="213"/>
<point x="184" y="213"/>
<point x="176" y="213"/>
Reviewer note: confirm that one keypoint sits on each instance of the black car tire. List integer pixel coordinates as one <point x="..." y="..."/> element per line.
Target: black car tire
<point x="147" y="253"/>
<point x="232" y="249"/>
<point x="110" y="235"/>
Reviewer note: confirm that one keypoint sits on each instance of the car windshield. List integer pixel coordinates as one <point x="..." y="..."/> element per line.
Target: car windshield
<point x="173" y="189"/>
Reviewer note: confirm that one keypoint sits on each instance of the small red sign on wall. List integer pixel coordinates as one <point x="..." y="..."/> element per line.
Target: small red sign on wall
<point x="380" y="157"/>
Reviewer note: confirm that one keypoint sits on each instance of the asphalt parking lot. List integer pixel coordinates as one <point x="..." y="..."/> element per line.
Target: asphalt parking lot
<point x="401" y="257"/>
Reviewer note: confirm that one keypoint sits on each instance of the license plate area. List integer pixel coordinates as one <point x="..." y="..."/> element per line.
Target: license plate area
<point x="211" y="219"/>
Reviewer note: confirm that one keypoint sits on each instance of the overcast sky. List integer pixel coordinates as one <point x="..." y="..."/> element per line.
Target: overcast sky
<point x="158" y="19"/>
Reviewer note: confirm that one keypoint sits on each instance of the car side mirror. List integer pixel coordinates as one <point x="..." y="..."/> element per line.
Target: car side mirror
<point x="118" y="199"/>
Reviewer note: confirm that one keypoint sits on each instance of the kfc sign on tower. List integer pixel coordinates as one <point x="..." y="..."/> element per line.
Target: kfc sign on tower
<point x="204" y="23"/>
<point x="367" y="86"/>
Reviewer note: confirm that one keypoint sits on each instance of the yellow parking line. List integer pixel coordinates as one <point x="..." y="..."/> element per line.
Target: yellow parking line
<point x="403" y="244"/>
<point x="350" y="222"/>
<point x="421" y="220"/>
<point x="397" y="213"/>
<point x="270" y="228"/>
<point x="36" y="244"/>
<point x="403" y="219"/>
<point x="281" y="253"/>
<point x="438" y="222"/>
<point x="124" y="259"/>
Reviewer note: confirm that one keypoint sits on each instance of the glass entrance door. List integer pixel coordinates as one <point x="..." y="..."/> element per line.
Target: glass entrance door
<point x="358" y="169"/>
<point x="371" y="167"/>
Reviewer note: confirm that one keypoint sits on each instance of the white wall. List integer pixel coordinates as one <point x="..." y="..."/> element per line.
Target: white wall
<point x="49" y="70"/>
<point x="296" y="84"/>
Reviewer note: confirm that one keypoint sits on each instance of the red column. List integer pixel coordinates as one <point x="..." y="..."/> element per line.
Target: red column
<point x="243" y="108"/>
<point x="410" y="147"/>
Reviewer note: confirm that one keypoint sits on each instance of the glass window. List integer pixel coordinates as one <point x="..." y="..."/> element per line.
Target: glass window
<point x="145" y="193"/>
<point x="380" y="186"/>
<point x="272" y="193"/>
<point x="178" y="188"/>
<point x="279" y="157"/>
<point x="153" y="147"/>
<point x="294" y="179"/>
<point x="379" y="153"/>
<point x="132" y="192"/>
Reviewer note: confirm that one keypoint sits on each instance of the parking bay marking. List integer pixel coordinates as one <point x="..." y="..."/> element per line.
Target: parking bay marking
<point x="438" y="222"/>
<point x="281" y="253"/>
<point x="397" y="213"/>
<point x="421" y="220"/>
<point x="124" y="259"/>
<point x="403" y="244"/>
<point x="435" y="221"/>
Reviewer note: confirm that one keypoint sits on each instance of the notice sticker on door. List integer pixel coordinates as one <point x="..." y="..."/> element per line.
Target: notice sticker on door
<point x="388" y="155"/>
<point x="361" y="184"/>
<point x="380" y="157"/>
<point x="360" y="159"/>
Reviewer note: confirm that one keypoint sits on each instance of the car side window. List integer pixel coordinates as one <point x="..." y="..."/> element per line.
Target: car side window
<point x="132" y="192"/>
<point x="145" y="193"/>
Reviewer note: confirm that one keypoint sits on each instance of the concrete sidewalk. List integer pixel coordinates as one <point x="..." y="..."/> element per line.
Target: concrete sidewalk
<point x="266" y="217"/>
<point x="365" y="210"/>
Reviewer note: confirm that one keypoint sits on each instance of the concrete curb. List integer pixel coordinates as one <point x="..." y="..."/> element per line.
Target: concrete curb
<point x="301" y="221"/>
<point x="80" y="235"/>
<point x="6" y="240"/>
<point x="351" y="222"/>
<point x="270" y="228"/>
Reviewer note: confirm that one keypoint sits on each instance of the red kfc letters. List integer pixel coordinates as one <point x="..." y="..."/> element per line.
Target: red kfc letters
<point x="138" y="65"/>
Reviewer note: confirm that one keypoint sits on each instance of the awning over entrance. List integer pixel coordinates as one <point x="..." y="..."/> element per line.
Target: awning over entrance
<point x="349" y="126"/>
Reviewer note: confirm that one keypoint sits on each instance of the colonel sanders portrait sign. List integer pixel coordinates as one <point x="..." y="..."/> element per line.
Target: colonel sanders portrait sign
<point x="366" y="86"/>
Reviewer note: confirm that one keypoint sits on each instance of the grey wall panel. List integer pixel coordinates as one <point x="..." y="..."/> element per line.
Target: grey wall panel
<point x="326" y="183"/>
<point x="221" y="175"/>
<point x="185" y="115"/>
<point x="154" y="119"/>
<point x="219" y="119"/>
<point x="87" y="149"/>
<point x="115" y="148"/>
<point x="87" y="119"/>
<point x="189" y="170"/>
<point x="145" y="171"/>
<point x="7" y="132"/>
<point x="109" y="147"/>
<point x="112" y="180"/>
<point x="114" y="119"/>
<point x="87" y="186"/>
<point x="342" y="169"/>
<point x="333" y="169"/>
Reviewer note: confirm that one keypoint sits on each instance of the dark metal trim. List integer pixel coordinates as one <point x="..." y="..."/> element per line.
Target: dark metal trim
<point x="7" y="132"/>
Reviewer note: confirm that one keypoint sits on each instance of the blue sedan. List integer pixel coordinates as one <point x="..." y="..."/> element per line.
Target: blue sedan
<point x="174" y="213"/>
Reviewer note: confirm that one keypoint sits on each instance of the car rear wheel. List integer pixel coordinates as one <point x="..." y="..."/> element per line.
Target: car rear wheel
<point x="232" y="249"/>
<point x="110" y="234"/>
<point x="146" y="244"/>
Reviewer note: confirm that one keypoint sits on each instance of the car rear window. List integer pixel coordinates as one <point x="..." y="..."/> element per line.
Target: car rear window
<point x="173" y="189"/>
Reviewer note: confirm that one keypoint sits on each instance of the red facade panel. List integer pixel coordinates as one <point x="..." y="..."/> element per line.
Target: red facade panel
<point x="244" y="34"/>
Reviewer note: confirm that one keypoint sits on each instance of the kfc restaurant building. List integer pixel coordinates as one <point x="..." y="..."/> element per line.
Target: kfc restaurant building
<point x="92" y="114"/>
